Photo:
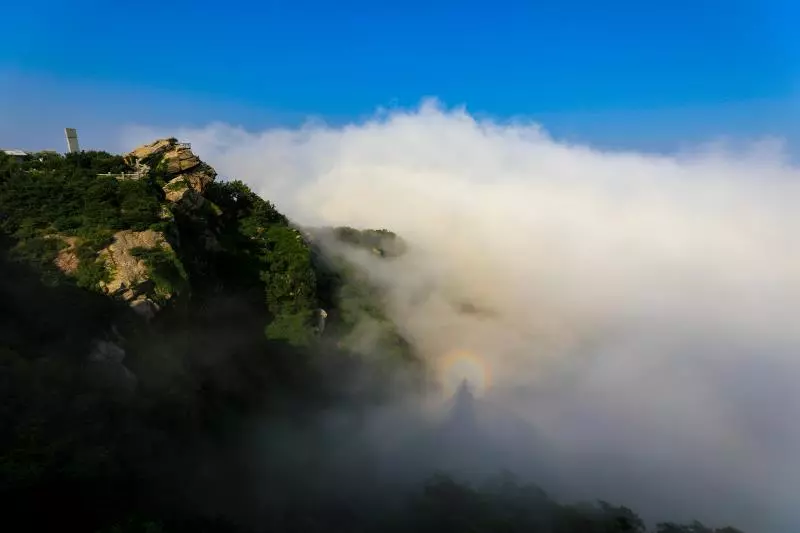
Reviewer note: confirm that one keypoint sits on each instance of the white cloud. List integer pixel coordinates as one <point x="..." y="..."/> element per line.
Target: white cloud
<point x="642" y="308"/>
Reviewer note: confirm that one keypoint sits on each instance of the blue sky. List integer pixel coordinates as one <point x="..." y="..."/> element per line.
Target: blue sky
<point x="643" y="74"/>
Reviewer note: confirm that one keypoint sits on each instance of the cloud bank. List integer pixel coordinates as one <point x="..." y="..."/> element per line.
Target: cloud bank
<point x="639" y="310"/>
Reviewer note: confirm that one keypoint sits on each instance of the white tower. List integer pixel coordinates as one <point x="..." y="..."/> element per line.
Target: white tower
<point x="72" y="140"/>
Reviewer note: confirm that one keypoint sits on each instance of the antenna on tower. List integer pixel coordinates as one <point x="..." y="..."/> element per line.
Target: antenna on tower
<point x="72" y="140"/>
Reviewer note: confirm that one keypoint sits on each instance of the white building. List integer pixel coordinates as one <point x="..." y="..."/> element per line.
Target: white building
<point x="16" y="154"/>
<point x="72" y="140"/>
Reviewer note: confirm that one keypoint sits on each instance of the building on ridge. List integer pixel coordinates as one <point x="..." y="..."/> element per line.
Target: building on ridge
<point x="72" y="140"/>
<point x="17" y="155"/>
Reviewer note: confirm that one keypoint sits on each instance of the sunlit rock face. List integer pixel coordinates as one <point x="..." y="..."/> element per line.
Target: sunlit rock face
<point x="130" y="277"/>
<point x="177" y="159"/>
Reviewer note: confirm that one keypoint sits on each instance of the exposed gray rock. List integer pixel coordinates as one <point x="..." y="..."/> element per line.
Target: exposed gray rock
<point x="106" y="359"/>
<point x="106" y="351"/>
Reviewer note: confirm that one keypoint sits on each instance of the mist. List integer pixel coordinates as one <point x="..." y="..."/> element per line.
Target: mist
<point x="638" y="311"/>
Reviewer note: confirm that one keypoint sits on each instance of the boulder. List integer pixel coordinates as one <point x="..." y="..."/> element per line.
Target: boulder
<point x="180" y="159"/>
<point x="179" y="191"/>
<point x="200" y="177"/>
<point x="106" y="351"/>
<point x="155" y="148"/>
<point x="107" y="367"/>
<point x="144" y="307"/>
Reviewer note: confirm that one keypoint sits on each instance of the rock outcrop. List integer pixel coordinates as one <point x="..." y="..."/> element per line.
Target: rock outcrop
<point x="130" y="275"/>
<point x="181" y="165"/>
<point x="187" y="178"/>
<point x="180" y="192"/>
<point x="106" y="352"/>
<point x="106" y="358"/>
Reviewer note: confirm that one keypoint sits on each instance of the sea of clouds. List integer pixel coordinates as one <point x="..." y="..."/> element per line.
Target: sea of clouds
<point x="639" y="310"/>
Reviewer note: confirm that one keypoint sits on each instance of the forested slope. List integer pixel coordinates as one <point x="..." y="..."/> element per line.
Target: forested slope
<point x="152" y="314"/>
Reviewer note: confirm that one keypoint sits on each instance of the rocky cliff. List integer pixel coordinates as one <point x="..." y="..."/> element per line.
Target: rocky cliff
<point x="177" y="160"/>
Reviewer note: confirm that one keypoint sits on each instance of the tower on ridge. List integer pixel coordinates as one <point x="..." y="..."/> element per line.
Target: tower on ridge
<point x="72" y="140"/>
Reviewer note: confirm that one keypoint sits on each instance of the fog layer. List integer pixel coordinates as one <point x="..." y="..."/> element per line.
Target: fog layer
<point x="638" y="310"/>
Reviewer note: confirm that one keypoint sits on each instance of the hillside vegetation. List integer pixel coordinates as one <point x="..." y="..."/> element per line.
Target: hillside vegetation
<point x="152" y="314"/>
